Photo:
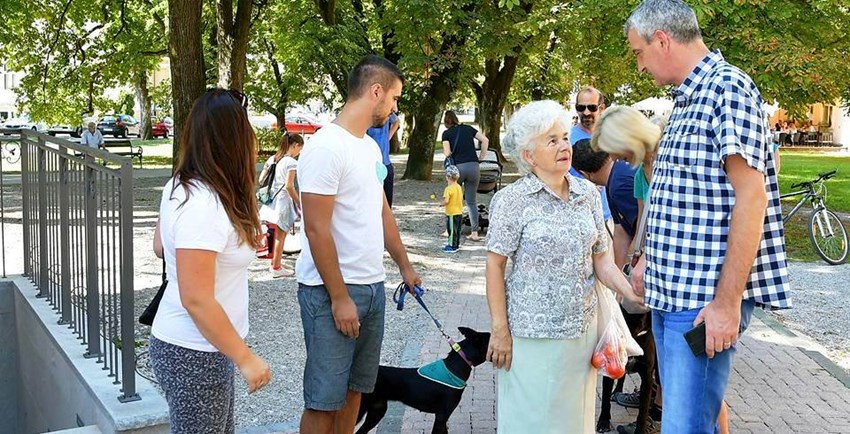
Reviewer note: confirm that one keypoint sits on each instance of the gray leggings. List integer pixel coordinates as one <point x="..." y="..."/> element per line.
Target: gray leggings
<point x="198" y="387"/>
<point x="469" y="179"/>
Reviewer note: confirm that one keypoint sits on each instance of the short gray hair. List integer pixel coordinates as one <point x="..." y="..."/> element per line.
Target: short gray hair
<point x="529" y="122"/>
<point x="673" y="17"/>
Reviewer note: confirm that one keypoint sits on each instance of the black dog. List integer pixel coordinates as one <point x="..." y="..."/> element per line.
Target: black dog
<point x="640" y="326"/>
<point x="428" y="396"/>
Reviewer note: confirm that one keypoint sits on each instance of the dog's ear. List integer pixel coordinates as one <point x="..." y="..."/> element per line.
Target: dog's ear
<point x="467" y="332"/>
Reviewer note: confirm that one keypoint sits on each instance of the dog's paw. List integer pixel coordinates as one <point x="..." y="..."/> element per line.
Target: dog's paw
<point x="604" y="426"/>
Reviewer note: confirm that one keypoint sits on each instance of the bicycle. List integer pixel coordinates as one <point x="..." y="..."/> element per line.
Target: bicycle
<point x="826" y="232"/>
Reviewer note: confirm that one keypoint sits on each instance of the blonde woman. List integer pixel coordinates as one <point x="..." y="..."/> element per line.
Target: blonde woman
<point x="544" y="313"/>
<point x="627" y="134"/>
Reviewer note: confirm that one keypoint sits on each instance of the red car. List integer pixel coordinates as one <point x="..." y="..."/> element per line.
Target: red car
<point x="159" y="128"/>
<point x="302" y="124"/>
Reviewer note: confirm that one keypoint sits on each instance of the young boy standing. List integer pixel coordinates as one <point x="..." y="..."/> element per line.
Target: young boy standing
<point x="453" y="201"/>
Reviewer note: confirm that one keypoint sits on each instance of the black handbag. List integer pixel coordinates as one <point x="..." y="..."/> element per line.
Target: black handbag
<point x="150" y="312"/>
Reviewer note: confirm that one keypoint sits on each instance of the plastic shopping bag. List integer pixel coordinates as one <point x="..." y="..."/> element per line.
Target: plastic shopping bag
<point x="610" y="354"/>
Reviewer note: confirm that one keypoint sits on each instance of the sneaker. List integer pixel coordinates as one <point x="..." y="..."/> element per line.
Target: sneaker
<point x="449" y="249"/>
<point x="629" y="400"/>
<point x="281" y="272"/>
<point x="652" y="427"/>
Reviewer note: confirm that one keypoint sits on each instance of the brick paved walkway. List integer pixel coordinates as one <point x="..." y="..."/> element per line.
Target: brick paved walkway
<point x="776" y="386"/>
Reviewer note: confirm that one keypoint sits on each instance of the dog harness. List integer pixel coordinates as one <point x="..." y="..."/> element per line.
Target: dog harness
<point x="398" y="297"/>
<point x="438" y="372"/>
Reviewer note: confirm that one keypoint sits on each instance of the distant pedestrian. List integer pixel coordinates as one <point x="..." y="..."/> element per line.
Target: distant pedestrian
<point x="285" y="204"/>
<point x="208" y="231"/>
<point x="382" y="136"/>
<point x="459" y="149"/>
<point x="92" y="137"/>
<point x="453" y="201"/>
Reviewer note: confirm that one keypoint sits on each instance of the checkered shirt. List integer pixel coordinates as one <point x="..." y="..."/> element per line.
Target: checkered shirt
<point x="717" y="113"/>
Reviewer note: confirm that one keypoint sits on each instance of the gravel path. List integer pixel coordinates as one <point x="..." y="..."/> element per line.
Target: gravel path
<point x="820" y="297"/>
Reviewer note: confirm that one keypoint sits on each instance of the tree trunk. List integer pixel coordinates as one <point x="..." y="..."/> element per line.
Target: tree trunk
<point x="538" y="91"/>
<point x="186" y="56"/>
<point x="427" y="116"/>
<point x="492" y="95"/>
<point x="232" y="40"/>
<point x="144" y="99"/>
<point x="420" y="159"/>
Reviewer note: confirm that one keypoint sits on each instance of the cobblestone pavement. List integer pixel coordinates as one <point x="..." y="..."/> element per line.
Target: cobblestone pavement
<point x="777" y="385"/>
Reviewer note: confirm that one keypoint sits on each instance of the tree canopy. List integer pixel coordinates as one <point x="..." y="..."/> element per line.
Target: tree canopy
<point x="498" y="53"/>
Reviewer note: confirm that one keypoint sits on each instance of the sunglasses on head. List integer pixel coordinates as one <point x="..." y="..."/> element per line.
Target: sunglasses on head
<point x="238" y="96"/>
<point x="582" y="107"/>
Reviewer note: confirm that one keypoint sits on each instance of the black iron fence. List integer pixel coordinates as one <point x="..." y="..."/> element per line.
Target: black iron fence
<point x="77" y="209"/>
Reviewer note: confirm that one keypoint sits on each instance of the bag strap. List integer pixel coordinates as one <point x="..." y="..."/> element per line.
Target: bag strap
<point x="640" y="236"/>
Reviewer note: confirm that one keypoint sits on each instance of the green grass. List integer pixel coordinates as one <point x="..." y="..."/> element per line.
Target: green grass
<point x="804" y="166"/>
<point x="152" y="142"/>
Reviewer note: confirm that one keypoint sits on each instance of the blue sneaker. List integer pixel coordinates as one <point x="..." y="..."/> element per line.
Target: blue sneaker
<point x="449" y="249"/>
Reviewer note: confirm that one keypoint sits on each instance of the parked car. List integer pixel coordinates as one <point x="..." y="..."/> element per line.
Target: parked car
<point x="119" y="126"/>
<point x="72" y="130"/>
<point x="302" y="124"/>
<point x="160" y="128"/>
<point x="22" y="122"/>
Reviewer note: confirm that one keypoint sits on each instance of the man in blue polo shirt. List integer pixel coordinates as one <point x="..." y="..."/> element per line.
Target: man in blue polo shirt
<point x="618" y="178"/>
<point x="589" y="105"/>
<point x="382" y="136"/>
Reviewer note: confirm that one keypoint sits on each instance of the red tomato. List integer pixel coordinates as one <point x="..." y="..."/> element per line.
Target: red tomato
<point x="598" y="360"/>
<point x="616" y="370"/>
<point x="609" y="350"/>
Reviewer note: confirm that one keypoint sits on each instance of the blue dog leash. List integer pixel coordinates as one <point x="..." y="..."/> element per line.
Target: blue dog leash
<point x="398" y="297"/>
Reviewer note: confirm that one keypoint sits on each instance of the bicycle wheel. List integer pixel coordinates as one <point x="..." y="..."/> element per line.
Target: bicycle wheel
<point x="828" y="236"/>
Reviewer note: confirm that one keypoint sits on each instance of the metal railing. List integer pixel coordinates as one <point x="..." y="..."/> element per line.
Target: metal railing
<point x="78" y="245"/>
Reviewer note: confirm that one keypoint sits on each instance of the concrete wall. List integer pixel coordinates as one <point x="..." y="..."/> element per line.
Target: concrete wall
<point x="59" y="389"/>
<point x="8" y="361"/>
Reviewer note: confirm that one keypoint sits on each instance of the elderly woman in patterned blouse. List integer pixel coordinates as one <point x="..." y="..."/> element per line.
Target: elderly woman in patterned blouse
<point x="543" y="315"/>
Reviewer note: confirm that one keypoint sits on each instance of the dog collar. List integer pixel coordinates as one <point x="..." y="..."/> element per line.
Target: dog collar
<point x="456" y="347"/>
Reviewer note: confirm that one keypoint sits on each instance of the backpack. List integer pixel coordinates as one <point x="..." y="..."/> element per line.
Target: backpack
<point x="264" y="193"/>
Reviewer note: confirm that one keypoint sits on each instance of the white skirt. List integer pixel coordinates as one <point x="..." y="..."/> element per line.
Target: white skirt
<point x="551" y="387"/>
<point x="281" y="212"/>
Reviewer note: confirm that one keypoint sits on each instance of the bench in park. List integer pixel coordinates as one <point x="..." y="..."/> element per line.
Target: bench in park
<point x="130" y="150"/>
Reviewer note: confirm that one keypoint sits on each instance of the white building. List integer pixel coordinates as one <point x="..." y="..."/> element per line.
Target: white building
<point x="8" y="98"/>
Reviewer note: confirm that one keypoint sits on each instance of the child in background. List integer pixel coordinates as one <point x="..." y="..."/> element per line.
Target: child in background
<point x="453" y="201"/>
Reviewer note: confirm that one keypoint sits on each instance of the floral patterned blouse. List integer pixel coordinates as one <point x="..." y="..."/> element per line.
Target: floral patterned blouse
<point x="551" y="242"/>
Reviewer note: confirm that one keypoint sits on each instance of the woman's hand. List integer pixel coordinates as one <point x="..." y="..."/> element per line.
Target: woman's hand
<point x="500" y="350"/>
<point x="256" y="372"/>
<point x="632" y="302"/>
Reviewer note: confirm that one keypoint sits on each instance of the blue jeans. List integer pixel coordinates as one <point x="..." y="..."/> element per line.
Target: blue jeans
<point x="693" y="386"/>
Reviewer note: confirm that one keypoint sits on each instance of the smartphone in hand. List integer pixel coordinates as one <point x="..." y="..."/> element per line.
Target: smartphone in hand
<point x="695" y="338"/>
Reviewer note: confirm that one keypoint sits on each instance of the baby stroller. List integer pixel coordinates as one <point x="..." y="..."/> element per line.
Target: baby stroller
<point x="490" y="169"/>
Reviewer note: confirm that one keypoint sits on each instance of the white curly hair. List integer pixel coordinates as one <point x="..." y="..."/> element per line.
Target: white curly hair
<point x="528" y="122"/>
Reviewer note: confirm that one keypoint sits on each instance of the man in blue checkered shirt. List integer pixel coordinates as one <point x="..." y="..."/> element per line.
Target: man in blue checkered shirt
<point x="715" y="247"/>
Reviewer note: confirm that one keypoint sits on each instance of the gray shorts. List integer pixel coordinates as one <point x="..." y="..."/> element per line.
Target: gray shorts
<point x="335" y="362"/>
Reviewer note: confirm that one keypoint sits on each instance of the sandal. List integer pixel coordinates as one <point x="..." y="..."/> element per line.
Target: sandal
<point x="473" y="238"/>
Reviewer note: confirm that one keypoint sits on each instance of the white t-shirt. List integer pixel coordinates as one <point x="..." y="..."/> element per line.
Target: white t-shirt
<point x="284" y="166"/>
<point x="335" y="162"/>
<point x="201" y="223"/>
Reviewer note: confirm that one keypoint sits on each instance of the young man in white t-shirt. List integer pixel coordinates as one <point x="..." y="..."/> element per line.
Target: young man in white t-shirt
<point x="347" y="225"/>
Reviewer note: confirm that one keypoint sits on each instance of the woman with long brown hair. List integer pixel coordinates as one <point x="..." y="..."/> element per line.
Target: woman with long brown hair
<point x="284" y="202"/>
<point x="208" y="231"/>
